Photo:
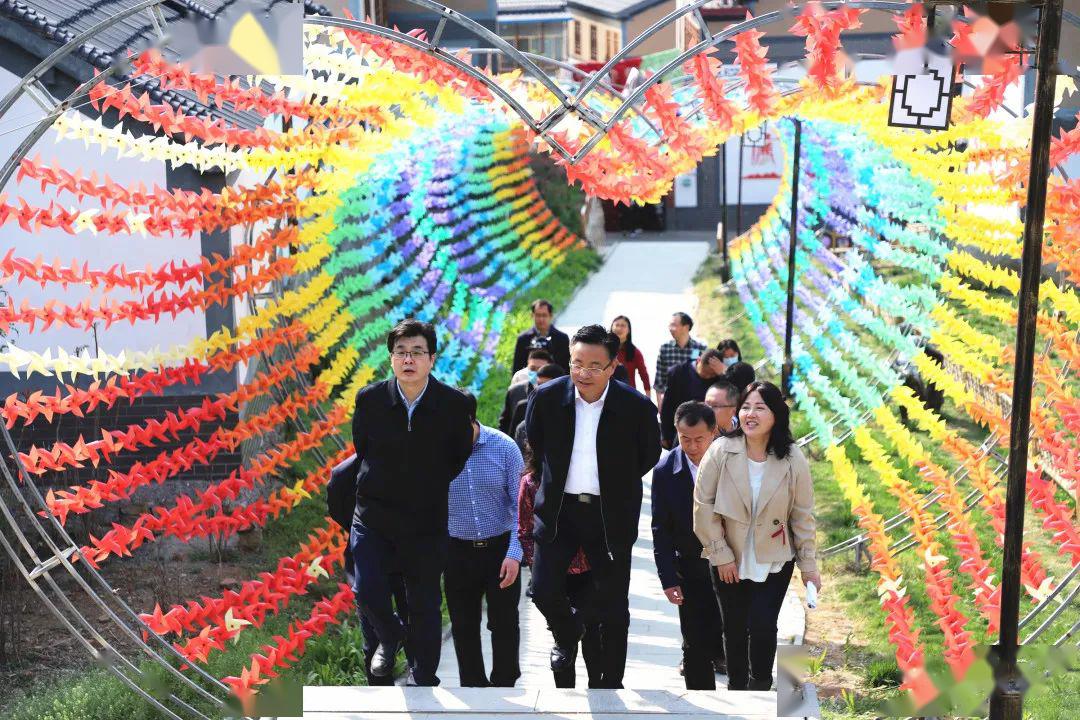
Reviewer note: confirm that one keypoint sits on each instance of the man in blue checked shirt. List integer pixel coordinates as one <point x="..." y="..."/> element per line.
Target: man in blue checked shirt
<point x="485" y="556"/>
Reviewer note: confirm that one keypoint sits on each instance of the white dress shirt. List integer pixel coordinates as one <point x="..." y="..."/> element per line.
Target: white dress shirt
<point x="693" y="469"/>
<point x="583" y="475"/>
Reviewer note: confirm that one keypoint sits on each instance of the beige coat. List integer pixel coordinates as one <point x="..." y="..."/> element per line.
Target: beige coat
<point x="722" y="507"/>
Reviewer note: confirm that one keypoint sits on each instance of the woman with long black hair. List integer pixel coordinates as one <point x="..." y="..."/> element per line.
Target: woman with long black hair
<point x="754" y="515"/>
<point x="629" y="356"/>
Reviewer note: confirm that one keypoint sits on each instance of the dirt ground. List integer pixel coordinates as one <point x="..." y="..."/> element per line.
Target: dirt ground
<point x="167" y="573"/>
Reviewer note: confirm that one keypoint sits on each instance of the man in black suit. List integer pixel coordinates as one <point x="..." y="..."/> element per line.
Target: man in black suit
<point x="412" y="435"/>
<point x="520" y="389"/>
<point x="341" y="502"/>
<point x="687" y="381"/>
<point x="594" y="439"/>
<point x="684" y="574"/>
<point x="542" y="335"/>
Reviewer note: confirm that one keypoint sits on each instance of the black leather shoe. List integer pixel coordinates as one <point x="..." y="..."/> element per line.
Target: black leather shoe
<point x="562" y="659"/>
<point x="382" y="663"/>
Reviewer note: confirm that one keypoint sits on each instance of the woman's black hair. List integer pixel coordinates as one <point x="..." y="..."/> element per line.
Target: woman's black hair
<point x="628" y="346"/>
<point x="532" y="463"/>
<point x="729" y="344"/>
<point x="780" y="439"/>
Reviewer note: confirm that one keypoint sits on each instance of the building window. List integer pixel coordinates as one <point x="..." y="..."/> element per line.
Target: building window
<point x="547" y="39"/>
<point x="612" y="45"/>
<point x="577" y="38"/>
<point x="593" y="49"/>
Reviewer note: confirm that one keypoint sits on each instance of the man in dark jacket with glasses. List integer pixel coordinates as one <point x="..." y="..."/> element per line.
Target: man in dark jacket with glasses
<point x="412" y="435"/>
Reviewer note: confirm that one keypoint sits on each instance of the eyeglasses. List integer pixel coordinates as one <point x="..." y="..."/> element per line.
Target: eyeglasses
<point x="411" y="354"/>
<point x="582" y="370"/>
<point x="718" y="406"/>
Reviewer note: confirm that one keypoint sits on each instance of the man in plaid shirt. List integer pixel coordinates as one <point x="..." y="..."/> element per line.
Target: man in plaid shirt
<point x="679" y="349"/>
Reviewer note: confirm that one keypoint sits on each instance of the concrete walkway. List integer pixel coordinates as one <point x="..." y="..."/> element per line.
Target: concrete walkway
<point x="647" y="281"/>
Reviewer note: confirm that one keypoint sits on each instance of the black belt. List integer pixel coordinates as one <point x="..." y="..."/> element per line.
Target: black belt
<point x="482" y="543"/>
<point x="582" y="497"/>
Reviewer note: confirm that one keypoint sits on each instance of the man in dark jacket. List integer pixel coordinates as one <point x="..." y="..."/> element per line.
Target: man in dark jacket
<point x="341" y="502"/>
<point x="684" y="574"/>
<point x="542" y="335"/>
<point x="594" y="439"/>
<point x="687" y="381"/>
<point x="412" y="436"/>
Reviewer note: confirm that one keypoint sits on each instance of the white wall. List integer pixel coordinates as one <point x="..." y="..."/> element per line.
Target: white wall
<point x="100" y="251"/>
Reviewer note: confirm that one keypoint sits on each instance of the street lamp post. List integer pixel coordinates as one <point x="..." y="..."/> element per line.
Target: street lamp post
<point x="1006" y="702"/>
<point x="793" y="226"/>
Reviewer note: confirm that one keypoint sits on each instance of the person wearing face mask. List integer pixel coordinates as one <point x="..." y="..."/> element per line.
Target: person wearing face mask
<point x="687" y="381"/>
<point x="729" y="352"/>
<point x="546" y="374"/>
<point x="538" y="358"/>
<point x="754" y="516"/>
<point x="521" y="390"/>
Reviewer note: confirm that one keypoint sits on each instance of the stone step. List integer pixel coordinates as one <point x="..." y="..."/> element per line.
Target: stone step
<point x="384" y="703"/>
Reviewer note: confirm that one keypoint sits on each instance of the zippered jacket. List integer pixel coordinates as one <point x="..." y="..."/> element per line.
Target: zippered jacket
<point x="405" y="467"/>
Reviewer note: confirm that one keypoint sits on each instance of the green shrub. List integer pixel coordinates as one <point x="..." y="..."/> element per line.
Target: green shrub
<point x="564" y="199"/>
<point x="883" y="673"/>
<point x="558" y="288"/>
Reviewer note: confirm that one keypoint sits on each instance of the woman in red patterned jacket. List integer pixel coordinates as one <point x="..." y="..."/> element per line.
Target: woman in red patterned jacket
<point x="579" y="583"/>
<point x="629" y="356"/>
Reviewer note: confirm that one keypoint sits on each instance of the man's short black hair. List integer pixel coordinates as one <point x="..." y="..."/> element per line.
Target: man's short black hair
<point x="543" y="303"/>
<point x="740" y="375"/>
<point x="693" y="412"/>
<point x="731" y="393"/>
<point x="598" y="335"/>
<point x="551" y="371"/>
<point x="470" y="403"/>
<point x="413" y="328"/>
<point x="684" y="319"/>
<point x="540" y="354"/>
<point x="709" y="354"/>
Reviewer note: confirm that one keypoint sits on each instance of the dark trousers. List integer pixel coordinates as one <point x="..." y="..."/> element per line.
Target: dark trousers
<point x="421" y="560"/>
<point x="472" y="575"/>
<point x="582" y="593"/>
<point x="371" y="639"/>
<point x="581" y="526"/>
<point x="750" y="612"/>
<point x="699" y="616"/>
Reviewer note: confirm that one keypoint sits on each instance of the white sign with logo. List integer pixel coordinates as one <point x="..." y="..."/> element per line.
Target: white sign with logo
<point x="686" y="190"/>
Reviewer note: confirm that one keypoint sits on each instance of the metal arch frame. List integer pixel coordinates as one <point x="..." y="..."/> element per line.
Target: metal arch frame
<point x="574" y="70"/>
<point x="541" y="126"/>
<point x="709" y="42"/>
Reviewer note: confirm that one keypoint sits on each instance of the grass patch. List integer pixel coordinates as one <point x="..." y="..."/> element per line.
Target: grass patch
<point x="558" y="288"/>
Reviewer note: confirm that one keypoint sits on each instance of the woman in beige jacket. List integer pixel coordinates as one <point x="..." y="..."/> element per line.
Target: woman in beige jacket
<point x="754" y="515"/>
